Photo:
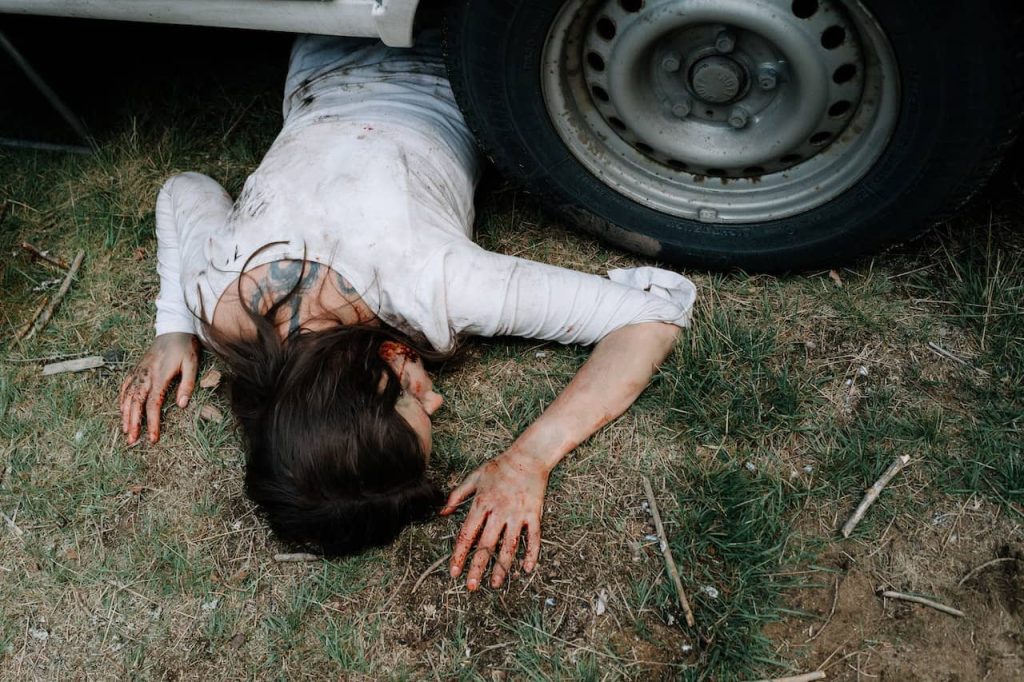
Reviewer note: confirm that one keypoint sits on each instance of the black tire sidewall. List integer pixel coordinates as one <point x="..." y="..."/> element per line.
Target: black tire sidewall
<point x="950" y="90"/>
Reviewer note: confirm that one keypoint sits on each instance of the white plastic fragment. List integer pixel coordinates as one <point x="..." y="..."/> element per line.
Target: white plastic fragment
<point x="709" y="590"/>
<point x="751" y="467"/>
<point x="601" y="605"/>
<point x="550" y="601"/>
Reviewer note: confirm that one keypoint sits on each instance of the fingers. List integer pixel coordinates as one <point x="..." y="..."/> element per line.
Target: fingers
<point x="485" y="550"/>
<point x="467" y="536"/>
<point x="532" y="544"/>
<point x="153" y="405"/>
<point x="460" y="495"/>
<point x="189" y="370"/>
<point x="136" y="404"/>
<point x="503" y="564"/>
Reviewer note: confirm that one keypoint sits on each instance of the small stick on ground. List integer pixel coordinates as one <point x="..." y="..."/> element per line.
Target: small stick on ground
<point x="670" y="563"/>
<point x="942" y="352"/>
<point x="925" y="602"/>
<point x="58" y="297"/>
<point x="806" y="677"/>
<point x="873" y="493"/>
<point x="79" y="365"/>
<point x="27" y="327"/>
<point x="297" y="557"/>
<point x="832" y="612"/>
<point x="430" y="569"/>
<point x="12" y="525"/>
<point x="53" y="261"/>
<point x="978" y="569"/>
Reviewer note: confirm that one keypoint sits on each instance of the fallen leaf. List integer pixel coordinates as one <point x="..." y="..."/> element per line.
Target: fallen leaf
<point x="834" y="276"/>
<point x="237" y="641"/>
<point x="211" y="414"/>
<point x="136" y="489"/>
<point x="139" y="253"/>
<point x="210" y="380"/>
<point x="72" y="554"/>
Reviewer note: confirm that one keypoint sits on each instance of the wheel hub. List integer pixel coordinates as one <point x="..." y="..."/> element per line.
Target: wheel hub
<point x="789" y="102"/>
<point x="717" y="80"/>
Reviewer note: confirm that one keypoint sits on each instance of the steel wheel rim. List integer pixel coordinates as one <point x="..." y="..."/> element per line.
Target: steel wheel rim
<point x="722" y="111"/>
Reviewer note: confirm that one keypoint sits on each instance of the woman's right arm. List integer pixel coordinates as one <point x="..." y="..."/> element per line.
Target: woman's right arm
<point x="189" y="208"/>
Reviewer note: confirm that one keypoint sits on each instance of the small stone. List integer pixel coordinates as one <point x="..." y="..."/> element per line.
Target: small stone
<point x="40" y="634"/>
<point x="710" y="591"/>
<point x="237" y="525"/>
<point x="862" y="371"/>
<point x="211" y="414"/>
<point x="211" y="379"/>
<point x="541" y="354"/>
<point x="687" y="648"/>
<point x="751" y="467"/>
<point x="651" y="538"/>
<point x="211" y="605"/>
<point x="237" y="641"/>
<point x="808" y="469"/>
<point x="810" y="345"/>
<point x="601" y="605"/>
<point x="550" y="601"/>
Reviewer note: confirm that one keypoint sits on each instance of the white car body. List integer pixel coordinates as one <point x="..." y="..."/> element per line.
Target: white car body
<point x="389" y="20"/>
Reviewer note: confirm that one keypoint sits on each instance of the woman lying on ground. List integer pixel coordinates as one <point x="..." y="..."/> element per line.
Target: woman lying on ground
<point x="346" y="259"/>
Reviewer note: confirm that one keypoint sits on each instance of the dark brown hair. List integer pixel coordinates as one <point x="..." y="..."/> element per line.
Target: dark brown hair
<point x="330" y="463"/>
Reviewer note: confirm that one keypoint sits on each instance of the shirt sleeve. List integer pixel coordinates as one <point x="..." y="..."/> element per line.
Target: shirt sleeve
<point x="189" y="208"/>
<point x="494" y="295"/>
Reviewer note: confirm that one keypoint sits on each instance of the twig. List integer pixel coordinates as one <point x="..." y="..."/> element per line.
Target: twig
<point x="27" y="327"/>
<point x="430" y="569"/>
<point x="297" y="557"/>
<point x="79" y="365"/>
<point x="832" y="612"/>
<point x="873" y="493"/>
<point x="979" y="569"/>
<point x="12" y="525"/>
<point x="939" y="350"/>
<point x="55" y="301"/>
<point x="670" y="563"/>
<point x="806" y="677"/>
<point x="925" y="602"/>
<point x="55" y="261"/>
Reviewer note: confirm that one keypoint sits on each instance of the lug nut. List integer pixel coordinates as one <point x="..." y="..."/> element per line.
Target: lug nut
<point x="725" y="42"/>
<point x="739" y="117"/>
<point x="671" y="62"/>
<point x="767" y="78"/>
<point x="682" y="109"/>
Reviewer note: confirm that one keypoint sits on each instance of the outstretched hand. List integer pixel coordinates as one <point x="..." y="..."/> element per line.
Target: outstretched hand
<point x="509" y="496"/>
<point x="143" y="391"/>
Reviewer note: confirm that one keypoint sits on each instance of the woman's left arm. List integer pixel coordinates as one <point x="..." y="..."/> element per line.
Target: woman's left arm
<point x="509" y="490"/>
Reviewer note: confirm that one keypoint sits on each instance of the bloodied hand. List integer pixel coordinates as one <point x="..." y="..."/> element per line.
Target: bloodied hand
<point x="143" y="391"/>
<point x="508" y="500"/>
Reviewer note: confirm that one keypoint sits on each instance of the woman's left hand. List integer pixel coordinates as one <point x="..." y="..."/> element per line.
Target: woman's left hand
<point x="509" y="495"/>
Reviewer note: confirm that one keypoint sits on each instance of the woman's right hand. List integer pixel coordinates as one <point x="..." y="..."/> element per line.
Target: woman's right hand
<point x="143" y="391"/>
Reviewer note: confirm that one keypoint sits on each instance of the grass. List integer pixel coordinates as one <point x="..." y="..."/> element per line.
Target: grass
<point x="759" y="433"/>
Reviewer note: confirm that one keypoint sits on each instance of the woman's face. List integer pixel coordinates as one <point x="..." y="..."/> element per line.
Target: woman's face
<point x="418" y="399"/>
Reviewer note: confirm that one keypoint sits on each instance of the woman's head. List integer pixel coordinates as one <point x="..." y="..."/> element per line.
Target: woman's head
<point x="338" y="433"/>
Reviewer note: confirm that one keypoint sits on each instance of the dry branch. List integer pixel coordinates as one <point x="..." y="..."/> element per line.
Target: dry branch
<point x="79" y="365"/>
<point x="297" y="557"/>
<point x="53" y="261"/>
<point x="430" y="569"/>
<point x="925" y="602"/>
<point x="670" y="563"/>
<point x="47" y="313"/>
<point x="806" y="677"/>
<point x="873" y="493"/>
<point x="978" y="569"/>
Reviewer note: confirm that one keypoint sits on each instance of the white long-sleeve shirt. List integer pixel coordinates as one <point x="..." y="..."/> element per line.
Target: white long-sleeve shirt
<point x="373" y="175"/>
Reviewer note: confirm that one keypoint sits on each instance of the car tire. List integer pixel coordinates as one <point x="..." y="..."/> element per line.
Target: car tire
<point x="946" y="84"/>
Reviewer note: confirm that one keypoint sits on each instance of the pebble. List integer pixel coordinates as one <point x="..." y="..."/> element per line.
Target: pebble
<point x="550" y="601"/>
<point x="710" y="591"/>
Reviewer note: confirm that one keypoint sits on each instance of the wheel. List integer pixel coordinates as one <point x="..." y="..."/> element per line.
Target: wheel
<point x="762" y="134"/>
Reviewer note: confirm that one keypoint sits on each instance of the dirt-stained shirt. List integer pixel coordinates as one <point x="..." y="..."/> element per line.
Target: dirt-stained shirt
<point x="373" y="175"/>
